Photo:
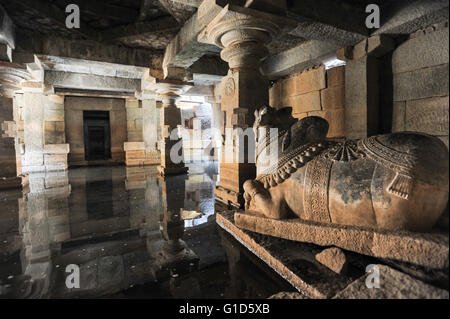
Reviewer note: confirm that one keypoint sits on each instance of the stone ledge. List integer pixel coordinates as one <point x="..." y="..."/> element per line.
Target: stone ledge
<point x="428" y="250"/>
<point x="293" y="261"/>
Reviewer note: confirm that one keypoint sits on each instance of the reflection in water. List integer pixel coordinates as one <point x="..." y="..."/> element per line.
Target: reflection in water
<point x="132" y="233"/>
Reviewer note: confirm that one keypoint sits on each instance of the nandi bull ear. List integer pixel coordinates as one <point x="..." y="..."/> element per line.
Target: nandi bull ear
<point x="314" y="128"/>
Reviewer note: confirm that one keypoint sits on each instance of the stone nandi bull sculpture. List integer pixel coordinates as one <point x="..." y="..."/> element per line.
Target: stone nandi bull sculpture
<point x="396" y="181"/>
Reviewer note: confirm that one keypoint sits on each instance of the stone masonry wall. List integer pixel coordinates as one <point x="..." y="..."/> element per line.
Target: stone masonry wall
<point x="43" y="143"/>
<point x="74" y="108"/>
<point x="420" y="68"/>
<point x="317" y="92"/>
<point x="142" y="127"/>
<point x="134" y="120"/>
<point x="7" y="150"/>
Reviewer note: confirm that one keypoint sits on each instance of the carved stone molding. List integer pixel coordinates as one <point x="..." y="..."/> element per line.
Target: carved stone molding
<point x="11" y="76"/>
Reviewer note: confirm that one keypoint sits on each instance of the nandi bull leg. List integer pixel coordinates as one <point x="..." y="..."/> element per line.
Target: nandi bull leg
<point x="261" y="200"/>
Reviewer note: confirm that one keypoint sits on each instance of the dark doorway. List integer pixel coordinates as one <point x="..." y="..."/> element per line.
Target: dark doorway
<point x="97" y="136"/>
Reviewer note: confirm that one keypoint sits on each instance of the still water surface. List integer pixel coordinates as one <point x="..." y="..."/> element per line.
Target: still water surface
<point x="132" y="233"/>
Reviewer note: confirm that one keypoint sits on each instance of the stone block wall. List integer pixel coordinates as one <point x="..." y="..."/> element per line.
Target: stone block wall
<point x="54" y="120"/>
<point x="74" y="107"/>
<point x="142" y="133"/>
<point x="7" y="132"/>
<point x="134" y="120"/>
<point x="315" y="92"/>
<point x="197" y="122"/>
<point x="420" y="83"/>
<point x="44" y="147"/>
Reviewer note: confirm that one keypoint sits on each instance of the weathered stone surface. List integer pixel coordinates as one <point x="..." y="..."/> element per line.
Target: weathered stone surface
<point x="430" y="250"/>
<point x="336" y="119"/>
<point x="304" y="102"/>
<point x="428" y="116"/>
<point x="398" y="116"/>
<point x="297" y="59"/>
<point x="184" y="49"/>
<point x="288" y="295"/>
<point x="425" y="51"/>
<point x="393" y="285"/>
<point x="90" y="82"/>
<point x="422" y="83"/>
<point x="333" y="98"/>
<point x="133" y="146"/>
<point x="405" y="17"/>
<point x="361" y="97"/>
<point x="333" y="258"/>
<point x="310" y="80"/>
<point x="379" y="45"/>
<point x="336" y="76"/>
<point x="295" y="262"/>
<point x="56" y="148"/>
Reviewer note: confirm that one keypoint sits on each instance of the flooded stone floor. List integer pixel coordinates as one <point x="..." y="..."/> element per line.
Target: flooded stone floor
<point x="131" y="233"/>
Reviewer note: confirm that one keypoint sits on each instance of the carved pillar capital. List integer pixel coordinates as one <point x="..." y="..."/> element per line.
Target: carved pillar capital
<point x="168" y="91"/>
<point x="243" y="39"/>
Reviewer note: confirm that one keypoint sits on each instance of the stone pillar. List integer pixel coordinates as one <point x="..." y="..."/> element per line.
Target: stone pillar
<point x="169" y="92"/>
<point x="243" y="38"/>
<point x="45" y="147"/>
<point x="142" y="128"/>
<point x="11" y="76"/>
<point x="362" y="91"/>
<point x="151" y="122"/>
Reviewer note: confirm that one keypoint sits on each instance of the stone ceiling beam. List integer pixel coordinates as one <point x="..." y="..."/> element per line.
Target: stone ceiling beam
<point x="405" y="17"/>
<point x="140" y="29"/>
<point x="184" y="49"/>
<point x="176" y="9"/>
<point x="54" y="63"/>
<point x="30" y="44"/>
<point x="94" y="93"/>
<point x="49" y="10"/>
<point x="190" y="3"/>
<point x="81" y="81"/>
<point x="328" y="20"/>
<point x="297" y="59"/>
<point x="209" y="65"/>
